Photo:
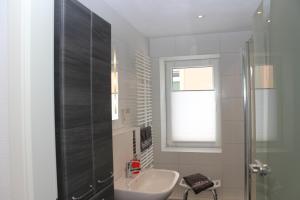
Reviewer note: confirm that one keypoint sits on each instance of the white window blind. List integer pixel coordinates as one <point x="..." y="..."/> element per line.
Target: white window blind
<point x="192" y="103"/>
<point x="193" y="116"/>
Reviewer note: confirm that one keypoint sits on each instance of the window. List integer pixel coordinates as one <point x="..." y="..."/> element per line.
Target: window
<point x="264" y="77"/>
<point x="114" y="88"/>
<point x="267" y="107"/>
<point x="190" y="104"/>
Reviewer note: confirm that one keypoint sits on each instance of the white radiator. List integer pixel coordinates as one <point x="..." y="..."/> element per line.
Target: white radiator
<point x="144" y="101"/>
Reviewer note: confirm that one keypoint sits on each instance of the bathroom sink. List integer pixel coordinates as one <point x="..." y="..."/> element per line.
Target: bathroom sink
<point x="151" y="184"/>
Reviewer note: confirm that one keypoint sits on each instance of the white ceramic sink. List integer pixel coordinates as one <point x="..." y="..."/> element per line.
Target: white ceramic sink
<point x="151" y="184"/>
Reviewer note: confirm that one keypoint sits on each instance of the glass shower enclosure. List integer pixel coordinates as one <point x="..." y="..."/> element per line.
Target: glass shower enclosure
<point x="271" y="74"/>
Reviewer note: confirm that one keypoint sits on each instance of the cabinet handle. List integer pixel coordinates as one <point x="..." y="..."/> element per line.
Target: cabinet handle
<point x="85" y="194"/>
<point x="106" y="179"/>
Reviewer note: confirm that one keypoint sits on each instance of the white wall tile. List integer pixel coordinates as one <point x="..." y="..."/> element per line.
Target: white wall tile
<point x="155" y="68"/>
<point x="196" y="44"/>
<point x="185" y="45"/>
<point x="156" y="111"/>
<point x="156" y="142"/>
<point x="126" y="43"/>
<point x="200" y="158"/>
<point x="156" y="90"/>
<point x="232" y="109"/>
<point x="231" y="86"/>
<point x="230" y="64"/>
<point x="233" y="132"/>
<point x="228" y="45"/>
<point x="233" y="155"/>
<point x="234" y="42"/>
<point x="162" y="47"/>
<point x="233" y="193"/>
<point x="163" y="157"/>
<point x="208" y="44"/>
<point x="156" y="128"/>
<point x="122" y="152"/>
<point x="233" y="177"/>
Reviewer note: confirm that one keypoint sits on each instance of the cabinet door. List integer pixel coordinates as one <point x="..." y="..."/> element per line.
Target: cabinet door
<point x="101" y="102"/>
<point x="106" y="194"/>
<point x="74" y="136"/>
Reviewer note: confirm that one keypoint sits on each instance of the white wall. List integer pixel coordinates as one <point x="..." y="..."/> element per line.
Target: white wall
<point x="31" y="99"/>
<point x="228" y="165"/>
<point x="42" y="99"/>
<point x="126" y="41"/>
<point x="4" y="137"/>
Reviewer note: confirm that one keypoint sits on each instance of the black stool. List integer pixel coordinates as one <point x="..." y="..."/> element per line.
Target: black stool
<point x="213" y="190"/>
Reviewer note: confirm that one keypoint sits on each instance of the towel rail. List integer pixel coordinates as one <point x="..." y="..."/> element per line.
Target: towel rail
<point x="144" y="101"/>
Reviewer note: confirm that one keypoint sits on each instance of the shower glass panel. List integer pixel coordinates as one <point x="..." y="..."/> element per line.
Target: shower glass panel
<point x="276" y="96"/>
<point x="284" y="137"/>
<point x="263" y="89"/>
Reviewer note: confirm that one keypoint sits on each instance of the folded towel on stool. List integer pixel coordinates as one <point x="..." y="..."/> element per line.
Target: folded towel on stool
<point x="198" y="182"/>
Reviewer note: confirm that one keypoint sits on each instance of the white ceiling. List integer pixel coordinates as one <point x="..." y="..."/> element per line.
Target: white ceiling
<point x="156" y="18"/>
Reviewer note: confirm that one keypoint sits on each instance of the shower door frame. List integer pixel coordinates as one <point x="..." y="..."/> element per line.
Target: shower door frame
<point x="249" y="117"/>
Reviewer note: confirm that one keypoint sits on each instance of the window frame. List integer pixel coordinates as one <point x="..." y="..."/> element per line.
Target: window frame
<point x="165" y="91"/>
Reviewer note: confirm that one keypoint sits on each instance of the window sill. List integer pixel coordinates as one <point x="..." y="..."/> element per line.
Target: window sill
<point x="191" y="150"/>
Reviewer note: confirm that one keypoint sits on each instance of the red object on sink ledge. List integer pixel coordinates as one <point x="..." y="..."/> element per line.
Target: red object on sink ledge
<point x="135" y="166"/>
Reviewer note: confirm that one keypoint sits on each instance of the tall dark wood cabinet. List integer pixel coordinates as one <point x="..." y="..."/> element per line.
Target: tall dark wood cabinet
<point x="83" y="103"/>
<point x="101" y="87"/>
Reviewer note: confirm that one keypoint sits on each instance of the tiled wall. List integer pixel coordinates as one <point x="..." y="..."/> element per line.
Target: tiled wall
<point x="4" y="140"/>
<point x="123" y="150"/>
<point x="228" y="165"/>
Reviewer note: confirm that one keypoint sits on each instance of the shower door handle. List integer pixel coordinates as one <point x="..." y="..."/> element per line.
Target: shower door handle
<point x="259" y="168"/>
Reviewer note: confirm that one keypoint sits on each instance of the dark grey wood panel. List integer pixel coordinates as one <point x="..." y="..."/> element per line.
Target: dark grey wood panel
<point x="101" y="101"/>
<point x="58" y="93"/>
<point x="106" y="194"/>
<point x="76" y="174"/>
<point x="77" y="99"/>
<point x="82" y="102"/>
